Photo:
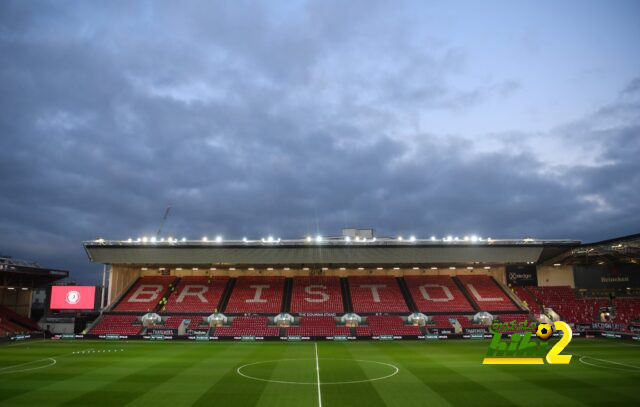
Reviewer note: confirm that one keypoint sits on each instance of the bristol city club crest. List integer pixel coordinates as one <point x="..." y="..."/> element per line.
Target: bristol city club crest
<point x="73" y="297"/>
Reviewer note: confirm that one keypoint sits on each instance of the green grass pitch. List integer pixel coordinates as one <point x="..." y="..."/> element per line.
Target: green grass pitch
<point x="362" y="373"/>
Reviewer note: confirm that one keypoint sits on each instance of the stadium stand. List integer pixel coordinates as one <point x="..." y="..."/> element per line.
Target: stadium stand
<point x="248" y="326"/>
<point x="387" y="325"/>
<point x="256" y="295"/>
<point x="316" y="294"/>
<point x="627" y="310"/>
<point x="529" y="298"/>
<point x="145" y="294"/>
<point x="317" y="326"/>
<point x="563" y="301"/>
<point x="376" y="294"/>
<point x="196" y="294"/>
<point x="437" y="294"/>
<point x="486" y="294"/>
<point x="117" y="324"/>
<point x="9" y="328"/>
<point x="440" y="322"/>
<point x="174" y="321"/>
<point x="12" y="322"/>
<point x="467" y="323"/>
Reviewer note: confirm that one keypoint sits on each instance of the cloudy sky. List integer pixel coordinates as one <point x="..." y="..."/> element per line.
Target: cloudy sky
<point x="289" y="118"/>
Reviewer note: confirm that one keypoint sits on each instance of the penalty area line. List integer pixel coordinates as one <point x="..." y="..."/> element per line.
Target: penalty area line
<point x="318" y="375"/>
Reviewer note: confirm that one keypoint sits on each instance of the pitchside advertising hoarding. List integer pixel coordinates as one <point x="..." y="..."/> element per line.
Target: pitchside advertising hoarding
<point x="73" y="297"/>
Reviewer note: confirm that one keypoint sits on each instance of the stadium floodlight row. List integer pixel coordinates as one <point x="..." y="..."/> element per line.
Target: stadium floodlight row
<point x="354" y="285"/>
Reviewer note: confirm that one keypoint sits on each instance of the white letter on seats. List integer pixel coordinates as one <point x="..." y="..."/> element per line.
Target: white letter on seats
<point x="444" y="288"/>
<point x="256" y="297"/>
<point x="146" y="289"/>
<point x="309" y="290"/>
<point x="198" y="291"/>
<point x="374" y="290"/>
<point x="478" y="296"/>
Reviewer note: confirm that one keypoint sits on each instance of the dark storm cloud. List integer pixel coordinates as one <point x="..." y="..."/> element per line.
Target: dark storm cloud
<point x="252" y="123"/>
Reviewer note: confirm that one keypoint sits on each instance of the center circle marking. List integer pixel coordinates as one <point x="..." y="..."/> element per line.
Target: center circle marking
<point x="395" y="371"/>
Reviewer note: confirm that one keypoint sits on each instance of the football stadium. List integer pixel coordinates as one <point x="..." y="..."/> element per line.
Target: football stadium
<point x="319" y="203"/>
<point x="328" y="320"/>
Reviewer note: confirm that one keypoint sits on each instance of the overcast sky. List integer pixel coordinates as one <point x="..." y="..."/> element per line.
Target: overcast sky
<point x="502" y="119"/>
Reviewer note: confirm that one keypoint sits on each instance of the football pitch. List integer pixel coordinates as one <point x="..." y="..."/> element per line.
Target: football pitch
<point x="359" y="373"/>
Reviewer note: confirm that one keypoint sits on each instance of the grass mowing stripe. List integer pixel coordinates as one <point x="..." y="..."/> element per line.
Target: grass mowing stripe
<point x="13" y="386"/>
<point x="430" y="367"/>
<point x="297" y="365"/>
<point x="347" y="394"/>
<point x="405" y="389"/>
<point x="208" y="363"/>
<point x="236" y="390"/>
<point x="131" y="386"/>
<point x="465" y="358"/>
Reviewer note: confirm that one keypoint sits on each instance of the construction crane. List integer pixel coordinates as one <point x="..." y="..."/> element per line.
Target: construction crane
<point x="164" y="219"/>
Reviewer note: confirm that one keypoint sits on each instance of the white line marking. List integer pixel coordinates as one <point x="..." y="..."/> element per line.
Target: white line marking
<point x="3" y="370"/>
<point x="635" y="368"/>
<point x="395" y="371"/>
<point x="318" y="374"/>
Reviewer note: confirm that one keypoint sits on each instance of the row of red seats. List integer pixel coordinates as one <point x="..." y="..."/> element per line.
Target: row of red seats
<point x="248" y="326"/>
<point x="440" y="322"/>
<point x="117" y="324"/>
<point x="387" y="325"/>
<point x="318" y="326"/>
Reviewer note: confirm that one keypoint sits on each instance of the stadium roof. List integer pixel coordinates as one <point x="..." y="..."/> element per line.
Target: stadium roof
<point x="21" y="273"/>
<point x="326" y="251"/>
<point x="625" y="249"/>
